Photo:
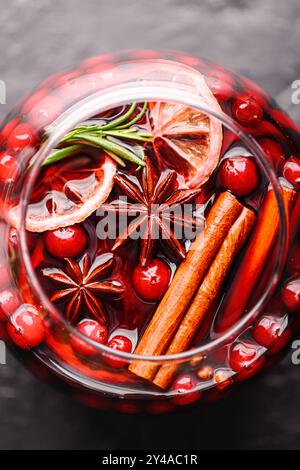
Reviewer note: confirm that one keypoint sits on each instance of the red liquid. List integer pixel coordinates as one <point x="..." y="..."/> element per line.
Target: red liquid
<point x="128" y="314"/>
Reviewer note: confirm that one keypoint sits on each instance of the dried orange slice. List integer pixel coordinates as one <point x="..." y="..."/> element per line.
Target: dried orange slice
<point x="68" y="193"/>
<point x="186" y="139"/>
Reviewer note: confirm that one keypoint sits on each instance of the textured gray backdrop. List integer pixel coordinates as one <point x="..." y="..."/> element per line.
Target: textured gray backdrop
<point x="258" y="38"/>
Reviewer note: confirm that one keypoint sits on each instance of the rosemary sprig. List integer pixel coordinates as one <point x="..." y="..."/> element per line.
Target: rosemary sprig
<point x="107" y="136"/>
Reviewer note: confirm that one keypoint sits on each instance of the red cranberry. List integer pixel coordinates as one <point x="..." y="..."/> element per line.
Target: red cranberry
<point x="291" y="171"/>
<point x="34" y="99"/>
<point x="281" y="341"/>
<point x="92" y="330"/>
<point x="118" y="343"/>
<point x="160" y="407"/>
<point x="247" y="111"/>
<point x="22" y="136"/>
<point x="221" y="90"/>
<point x="268" y="329"/>
<point x="151" y="282"/>
<point x="67" y="77"/>
<point x="9" y="168"/>
<point x="290" y="294"/>
<point x="184" y="385"/>
<point x="239" y="175"/>
<point x="245" y="358"/>
<point x="274" y="151"/>
<point x="9" y="302"/>
<point x="45" y="112"/>
<point x="26" y="328"/>
<point x="66" y="242"/>
<point x="7" y="129"/>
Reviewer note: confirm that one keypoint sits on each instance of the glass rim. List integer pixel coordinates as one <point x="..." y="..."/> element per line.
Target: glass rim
<point x="117" y="95"/>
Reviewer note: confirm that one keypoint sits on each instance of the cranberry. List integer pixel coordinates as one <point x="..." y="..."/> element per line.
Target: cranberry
<point x="9" y="302"/>
<point x="268" y="329"/>
<point x="245" y="358"/>
<point x="159" y="407"/>
<point x="7" y="129"/>
<point x="45" y="112"/>
<point x="238" y="174"/>
<point x="118" y="343"/>
<point x="291" y="171"/>
<point x="151" y="282"/>
<point x="274" y="151"/>
<point x="92" y="330"/>
<point x="34" y="99"/>
<point x="221" y="90"/>
<point x="22" y="136"/>
<point x="67" y="77"/>
<point x="66" y="242"/>
<point x="9" y="168"/>
<point x="290" y="294"/>
<point x="247" y="111"/>
<point x="184" y="385"/>
<point x="26" y="328"/>
<point x="281" y="341"/>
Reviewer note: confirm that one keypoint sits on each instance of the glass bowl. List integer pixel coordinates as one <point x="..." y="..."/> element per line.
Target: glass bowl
<point x="148" y="323"/>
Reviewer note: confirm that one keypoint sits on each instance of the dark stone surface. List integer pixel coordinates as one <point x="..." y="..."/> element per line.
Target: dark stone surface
<point x="257" y="38"/>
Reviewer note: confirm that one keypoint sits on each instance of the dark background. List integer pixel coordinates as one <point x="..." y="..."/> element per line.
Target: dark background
<point x="258" y="38"/>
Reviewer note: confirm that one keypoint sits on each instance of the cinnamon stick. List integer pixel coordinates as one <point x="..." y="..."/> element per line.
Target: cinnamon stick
<point x="255" y="259"/>
<point x="187" y="278"/>
<point x="207" y="292"/>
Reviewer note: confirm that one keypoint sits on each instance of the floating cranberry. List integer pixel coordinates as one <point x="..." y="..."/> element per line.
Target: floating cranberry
<point x="268" y="329"/>
<point x="246" y="359"/>
<point x="160" y="407"/>
<point x="9" y="168"/>
<point x="67" y="77"/>
<point x="34" y="99"/>
<point x="45" y="112"/>
<point x="22" y="136"/>
<point x="247" y="111"/>
<point x="151" y="282"/>
<point x="118" y="343"/>
<point x="93" y="330"/>
<point x="7" y="129"/>
<point x="184" y="386"/>
<point x="9" y="302"/>
<point x="274" y="151"/>
<point x="238" y="174"/>
<point x="66" y="242"/>
<point x="291" y="171"/>
<point x="26" y="328"/>
<point x="221" y="90"/>
<point x="290" y="294"/>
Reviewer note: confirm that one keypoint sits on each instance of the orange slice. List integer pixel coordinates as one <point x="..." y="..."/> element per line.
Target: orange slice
<point x="68" y="193"/>
<point x="186" y="139"/>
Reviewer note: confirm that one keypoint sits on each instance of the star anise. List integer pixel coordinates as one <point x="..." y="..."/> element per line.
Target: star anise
<point x="81" y="283"/>
<point x="161" y="192"/>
